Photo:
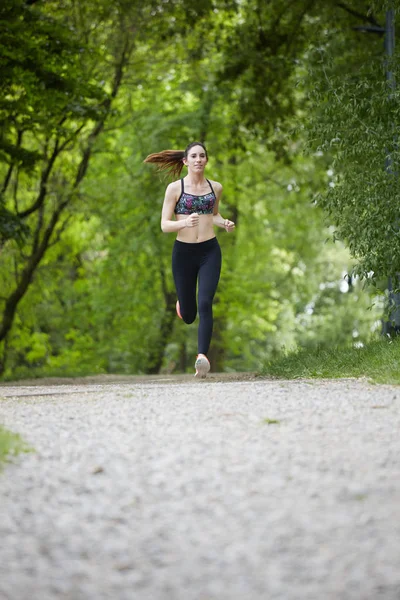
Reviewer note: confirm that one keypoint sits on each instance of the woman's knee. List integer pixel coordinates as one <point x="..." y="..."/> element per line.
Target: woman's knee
<point x="205" y="306"/>
<point x="188" y="316"/>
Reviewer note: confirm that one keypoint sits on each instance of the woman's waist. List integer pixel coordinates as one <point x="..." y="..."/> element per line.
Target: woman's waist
<point x="201" y="233"/>
<point x="193" y="238"/>
<point x="197" y="246"/>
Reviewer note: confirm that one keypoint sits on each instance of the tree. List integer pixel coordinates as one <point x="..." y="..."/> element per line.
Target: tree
<point x="353" y="121"/>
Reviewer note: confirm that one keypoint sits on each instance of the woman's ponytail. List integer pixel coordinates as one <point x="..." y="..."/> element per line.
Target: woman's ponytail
<point x="168" y="160"/>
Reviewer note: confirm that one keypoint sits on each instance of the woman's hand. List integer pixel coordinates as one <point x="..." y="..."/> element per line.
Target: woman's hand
<point x="192" y="220"/>
<point x="229" y="225"/>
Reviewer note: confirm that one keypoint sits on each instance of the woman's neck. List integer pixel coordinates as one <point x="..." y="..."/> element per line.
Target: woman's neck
<point x="196" y="179"/>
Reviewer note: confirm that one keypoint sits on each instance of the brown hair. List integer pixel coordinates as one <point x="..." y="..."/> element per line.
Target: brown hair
<point x="171" y="161"/>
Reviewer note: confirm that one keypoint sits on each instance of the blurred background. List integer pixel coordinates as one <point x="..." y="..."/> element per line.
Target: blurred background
<point x="296" y="104"/>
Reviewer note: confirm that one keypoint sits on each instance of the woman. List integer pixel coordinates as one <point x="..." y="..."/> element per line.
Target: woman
<point x="196" y="257"/>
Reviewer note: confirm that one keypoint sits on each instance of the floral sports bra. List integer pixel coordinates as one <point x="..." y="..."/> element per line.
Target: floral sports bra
<point x="188" y="203"/>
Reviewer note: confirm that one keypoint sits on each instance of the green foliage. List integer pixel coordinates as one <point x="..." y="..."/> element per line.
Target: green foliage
<point x="42" y="81"/>
<point x="262" y="40"/>
<point x="12" y="226"/>
<point x="353" y="121"/>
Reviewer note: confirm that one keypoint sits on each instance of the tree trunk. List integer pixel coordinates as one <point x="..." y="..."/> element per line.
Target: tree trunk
<point x="183" y="359"/>
<point x="156" y="355"/>
<point x="3" y="356"/>
<point x="216" y="355"/>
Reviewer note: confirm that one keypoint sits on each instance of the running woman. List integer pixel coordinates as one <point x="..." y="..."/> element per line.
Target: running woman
<point x="196" y="257"/>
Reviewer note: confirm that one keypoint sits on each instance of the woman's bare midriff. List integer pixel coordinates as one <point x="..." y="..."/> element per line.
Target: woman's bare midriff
<point x="192" y="235"/>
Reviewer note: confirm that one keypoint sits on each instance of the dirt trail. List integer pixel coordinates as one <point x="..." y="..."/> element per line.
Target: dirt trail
<point x="170" y="488"/>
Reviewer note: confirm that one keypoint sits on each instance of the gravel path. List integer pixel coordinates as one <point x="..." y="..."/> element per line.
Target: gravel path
<point x="193" y="491"/>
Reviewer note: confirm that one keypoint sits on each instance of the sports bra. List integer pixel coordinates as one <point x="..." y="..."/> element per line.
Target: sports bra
<point x="188" y="203"/>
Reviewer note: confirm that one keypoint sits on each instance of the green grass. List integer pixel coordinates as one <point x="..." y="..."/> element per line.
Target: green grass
<point x="11" y="444"/>
<point x="379" y="361"/>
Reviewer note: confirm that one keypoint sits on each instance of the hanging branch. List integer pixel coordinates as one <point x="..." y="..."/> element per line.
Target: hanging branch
<point x="12" y="165"/>
<point x="43" y="183"/>
<point x="39" y="228"/>
<point x="369" y="18"/>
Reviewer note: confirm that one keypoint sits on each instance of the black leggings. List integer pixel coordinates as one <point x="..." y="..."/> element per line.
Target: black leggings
<point x="190" y="262"/>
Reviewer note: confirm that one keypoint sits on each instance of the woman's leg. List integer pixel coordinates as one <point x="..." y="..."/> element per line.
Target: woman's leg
<point x="185" y="270"/>
<point x="209" y="273"/>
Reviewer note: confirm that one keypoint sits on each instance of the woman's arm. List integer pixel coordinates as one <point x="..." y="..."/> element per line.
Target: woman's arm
<point x="226" y="224"/>
<point x="168" y="224"/>
<point x="218" y="220"/>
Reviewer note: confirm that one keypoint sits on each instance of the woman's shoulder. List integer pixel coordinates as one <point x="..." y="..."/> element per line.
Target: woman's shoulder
<point x="216" y="186"/>
<point x="174" y="185"/>
<point x="174" y="188"/>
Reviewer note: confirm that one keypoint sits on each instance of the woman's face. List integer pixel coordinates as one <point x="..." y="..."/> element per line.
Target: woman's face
<point x="196" y="159"/>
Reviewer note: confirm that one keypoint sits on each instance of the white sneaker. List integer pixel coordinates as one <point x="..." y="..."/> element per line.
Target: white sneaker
<point x="202" y="366"/>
